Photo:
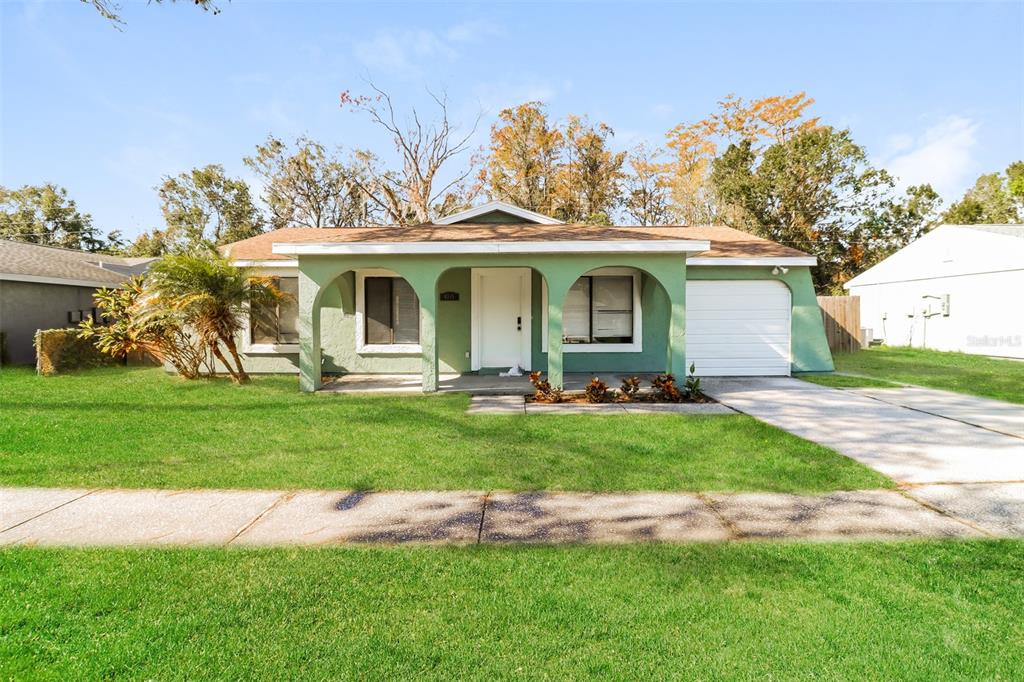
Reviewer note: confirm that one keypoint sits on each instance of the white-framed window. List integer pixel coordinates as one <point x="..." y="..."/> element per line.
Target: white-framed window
<point x="601" y="313"/>
<point x="275" y="328"/>
<point x="387" y="314"/>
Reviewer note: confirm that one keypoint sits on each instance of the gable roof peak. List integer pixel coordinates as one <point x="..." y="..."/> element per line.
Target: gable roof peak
<point x="525" y="215"/>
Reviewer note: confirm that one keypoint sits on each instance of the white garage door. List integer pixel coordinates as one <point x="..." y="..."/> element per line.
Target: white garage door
<point x="738" y="328"/>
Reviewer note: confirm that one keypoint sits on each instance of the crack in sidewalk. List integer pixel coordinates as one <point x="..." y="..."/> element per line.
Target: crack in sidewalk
<point x="483" y="513"/>
<point x="942" y="512"/>
<point x="922" y="410"/>
<point x="733" y="530"/>
<point x="44" y="513"/>
<point x="283" y="497"/>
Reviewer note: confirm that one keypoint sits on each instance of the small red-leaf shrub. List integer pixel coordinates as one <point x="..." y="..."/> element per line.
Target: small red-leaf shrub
<point x="597" y="391"/>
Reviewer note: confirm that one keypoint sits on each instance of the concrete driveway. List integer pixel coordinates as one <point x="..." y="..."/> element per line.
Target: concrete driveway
<point x="962" y="455"/>
<point x="994" y="415"/>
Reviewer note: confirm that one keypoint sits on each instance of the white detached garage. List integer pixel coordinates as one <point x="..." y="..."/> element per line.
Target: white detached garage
<point x="738" y="327"/>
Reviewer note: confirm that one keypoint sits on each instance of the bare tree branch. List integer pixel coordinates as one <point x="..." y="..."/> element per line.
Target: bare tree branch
<point x="409" y="196"/>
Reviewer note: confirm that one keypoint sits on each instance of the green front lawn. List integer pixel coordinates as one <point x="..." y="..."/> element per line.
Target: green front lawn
<point x="142" y="428"/>
<point x="928" y="611"/>
<point x="960" y="372"/>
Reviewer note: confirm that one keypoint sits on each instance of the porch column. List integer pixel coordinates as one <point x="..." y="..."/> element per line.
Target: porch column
<point x="309" y="334"/>
<point x="428" y="340"/>
<point x="558" y="284"/>
<point x="555" y="374"/>
<point x="422" y="277"/>
<point x="674" y="282"/>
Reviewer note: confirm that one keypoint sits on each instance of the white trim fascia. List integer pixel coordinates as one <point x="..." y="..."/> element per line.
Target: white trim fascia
<point x="526" y="214"/>
<point x="393" y="349"/>
<point x="484" y="247"/>
<point x="638" y="326"/>
<point x="267" y="263"/>
<point x="363" y="348"/>
<point x="769" y="260"/>
<point x="37" y="279"/>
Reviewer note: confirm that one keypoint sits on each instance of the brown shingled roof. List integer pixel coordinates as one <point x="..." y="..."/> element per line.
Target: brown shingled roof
<point x="726" y="242"/>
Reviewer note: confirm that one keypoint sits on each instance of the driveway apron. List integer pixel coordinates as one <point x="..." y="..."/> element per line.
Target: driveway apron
<point x="907" y="445"/>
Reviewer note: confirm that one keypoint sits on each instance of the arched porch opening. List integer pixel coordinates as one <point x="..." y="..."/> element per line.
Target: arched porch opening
<point x="616" y="316"/>
<point x="488" y="316"/>
<point x="369" y="316"/>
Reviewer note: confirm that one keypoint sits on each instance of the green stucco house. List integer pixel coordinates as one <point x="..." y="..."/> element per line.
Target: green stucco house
<point x="497" y="286"/>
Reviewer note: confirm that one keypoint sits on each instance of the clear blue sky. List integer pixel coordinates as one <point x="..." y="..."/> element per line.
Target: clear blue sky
<point x="935" y="91"/>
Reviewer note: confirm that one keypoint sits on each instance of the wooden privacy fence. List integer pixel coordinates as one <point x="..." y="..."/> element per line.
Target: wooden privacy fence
<point x="842" y="322"/>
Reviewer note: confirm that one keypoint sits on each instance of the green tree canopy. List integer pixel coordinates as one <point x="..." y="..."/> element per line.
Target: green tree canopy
<point x="310" y="186"/>
<point x="525" y="152"/>
<point x="205" y="205"/>
<point x="44" y="214"/>
<point x="812" y="191"/>
<point x="590" y="175"/>
<point x="646" y="191"/>
<point x="994" y="198"/>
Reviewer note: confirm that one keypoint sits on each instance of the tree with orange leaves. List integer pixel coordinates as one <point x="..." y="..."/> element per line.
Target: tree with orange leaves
<point x="525" y="151"/>
<point x="695" y="145"/>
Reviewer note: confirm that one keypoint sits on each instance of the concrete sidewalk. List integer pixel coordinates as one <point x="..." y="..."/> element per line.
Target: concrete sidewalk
<point x="41" y="516"/>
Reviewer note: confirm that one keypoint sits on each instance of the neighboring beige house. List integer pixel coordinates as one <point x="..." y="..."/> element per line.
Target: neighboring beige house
<point x="43" y="287"/>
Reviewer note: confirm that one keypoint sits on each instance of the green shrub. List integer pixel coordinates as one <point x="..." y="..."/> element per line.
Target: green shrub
<point x="61" y="350"/>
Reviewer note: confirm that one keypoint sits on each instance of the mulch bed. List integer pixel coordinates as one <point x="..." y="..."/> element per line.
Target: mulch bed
<point x="580" y="398"/>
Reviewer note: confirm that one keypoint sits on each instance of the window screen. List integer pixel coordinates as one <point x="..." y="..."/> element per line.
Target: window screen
<point x="599" y="309"/>
<point x="392" y="311"/>
<point x="277" y="323"/>
<point x="288" y="310"/>
<point x="612" y="309"/>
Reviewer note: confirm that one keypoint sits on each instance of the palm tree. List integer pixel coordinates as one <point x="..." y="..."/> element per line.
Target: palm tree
<point x="212" y="296"/>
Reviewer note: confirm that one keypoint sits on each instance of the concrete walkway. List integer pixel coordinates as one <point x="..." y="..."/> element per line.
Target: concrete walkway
<point x="41" y="516"/>
<point x="962" y="455"/>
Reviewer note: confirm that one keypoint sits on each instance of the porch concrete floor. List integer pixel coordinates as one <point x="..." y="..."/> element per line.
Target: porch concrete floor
<point x="474" y="384"/>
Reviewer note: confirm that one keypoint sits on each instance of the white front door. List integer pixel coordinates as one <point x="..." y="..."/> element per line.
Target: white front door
<point x="501" y="318"/>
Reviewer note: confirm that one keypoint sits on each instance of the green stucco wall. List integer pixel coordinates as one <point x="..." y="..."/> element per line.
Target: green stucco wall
<point x="338" y="335"/>
<point x="320" y="323"/>
<point x="330" y="283"/>
<point x="654" y="306"/>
